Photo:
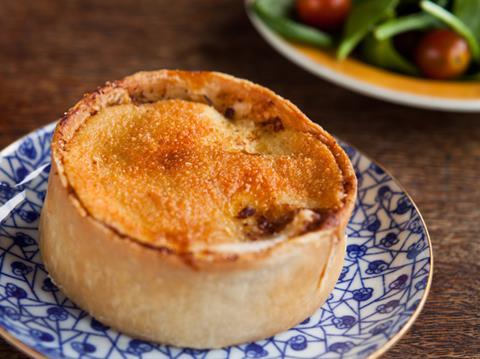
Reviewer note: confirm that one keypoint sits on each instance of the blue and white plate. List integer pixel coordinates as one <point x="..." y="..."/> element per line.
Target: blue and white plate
<point x="382" y="288"/>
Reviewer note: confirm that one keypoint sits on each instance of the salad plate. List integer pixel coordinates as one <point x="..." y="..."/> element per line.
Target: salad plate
<point x="370" y="80"/>
<point x="382" y="288"/>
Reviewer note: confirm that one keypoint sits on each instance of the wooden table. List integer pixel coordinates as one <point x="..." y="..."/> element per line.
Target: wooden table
<point x="52" y="51"/>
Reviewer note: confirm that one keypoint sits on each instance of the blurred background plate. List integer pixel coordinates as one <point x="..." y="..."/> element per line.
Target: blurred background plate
<point x="373" y="81"/>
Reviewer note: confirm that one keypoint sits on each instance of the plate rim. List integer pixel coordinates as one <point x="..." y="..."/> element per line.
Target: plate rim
<point x="412" y="319"/>
<point x="33" y="353"/>
<point x="353" y="83"/>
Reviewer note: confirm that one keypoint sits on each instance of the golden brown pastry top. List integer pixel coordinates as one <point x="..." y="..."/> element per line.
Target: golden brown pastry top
<point x="183" y="173"/>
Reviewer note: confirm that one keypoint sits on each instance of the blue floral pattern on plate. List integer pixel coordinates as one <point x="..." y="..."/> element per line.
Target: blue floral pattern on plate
<point x="383" y="282"/>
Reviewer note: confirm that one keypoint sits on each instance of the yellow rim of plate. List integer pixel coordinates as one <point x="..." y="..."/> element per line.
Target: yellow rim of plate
<point x="387" y="79"/>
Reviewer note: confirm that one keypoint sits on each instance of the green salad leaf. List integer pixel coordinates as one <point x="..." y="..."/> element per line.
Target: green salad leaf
<point x="275" y="8"/>
<point x="411" y="22"/>
<point x="455" y="23"/>
<point x="275" y="14"/>
<point x="363" y="16"/>
<point x="402" y="24"/>
<point x="469" y="12"/>
<point x="382" y="53"/>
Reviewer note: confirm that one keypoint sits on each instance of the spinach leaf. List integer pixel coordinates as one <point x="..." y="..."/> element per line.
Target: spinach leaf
<point x="363" y="16"/>
<point x="455" y="23"/>
<point x="274" y="13"/>
<point x="399" y="25"/>
<point x="469" y="12"/>
<point x="382" y="53"/>
<point x="411" y="22"/>
<point x="276" y="8"/>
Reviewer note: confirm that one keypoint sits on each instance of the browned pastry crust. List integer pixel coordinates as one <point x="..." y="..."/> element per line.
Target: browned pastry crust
<point x="195" y="209"/>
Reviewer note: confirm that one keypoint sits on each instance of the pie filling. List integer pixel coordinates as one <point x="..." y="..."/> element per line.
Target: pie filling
<point x="180" y="173"/>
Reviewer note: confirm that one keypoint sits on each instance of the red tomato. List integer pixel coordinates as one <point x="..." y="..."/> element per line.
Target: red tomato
<point x="442" y="54"/>
<point x="325" y="14"/>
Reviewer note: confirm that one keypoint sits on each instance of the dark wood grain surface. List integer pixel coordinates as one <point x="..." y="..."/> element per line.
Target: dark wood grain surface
<point x="51" y="52"/>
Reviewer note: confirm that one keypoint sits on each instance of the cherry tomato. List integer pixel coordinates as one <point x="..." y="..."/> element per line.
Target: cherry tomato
<point x="442" y="54"/>
<point x="327" y="15"/>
